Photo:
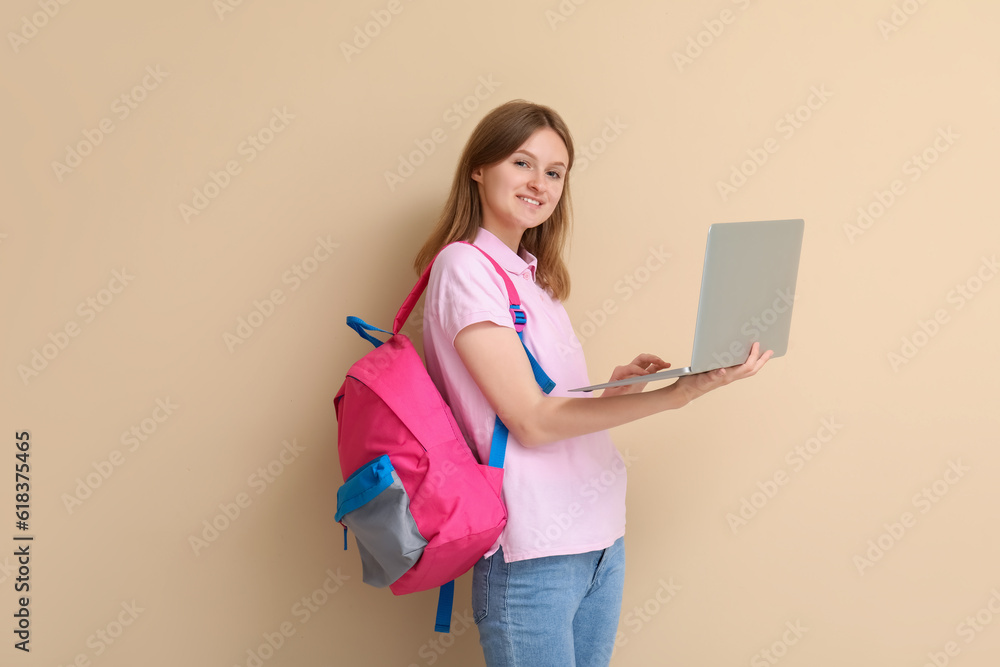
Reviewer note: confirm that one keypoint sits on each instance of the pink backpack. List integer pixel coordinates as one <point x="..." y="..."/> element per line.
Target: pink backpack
<point x="422" y="508"/>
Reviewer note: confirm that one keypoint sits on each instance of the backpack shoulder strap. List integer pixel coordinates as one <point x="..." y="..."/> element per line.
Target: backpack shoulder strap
<point x="411" y="300"/>
<point x="513" y="298"/>
<point x="520" y="320"/>
<point x="517" y="314"/>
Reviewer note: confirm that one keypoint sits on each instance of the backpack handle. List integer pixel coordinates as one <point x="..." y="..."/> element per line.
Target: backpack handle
<point x="363" y="328"/>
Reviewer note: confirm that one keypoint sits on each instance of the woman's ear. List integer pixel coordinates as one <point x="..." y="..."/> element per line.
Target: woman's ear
<point x="477" y="174"/>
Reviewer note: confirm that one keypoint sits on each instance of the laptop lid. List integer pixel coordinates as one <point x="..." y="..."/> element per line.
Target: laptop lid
<point x="747" y="291"/>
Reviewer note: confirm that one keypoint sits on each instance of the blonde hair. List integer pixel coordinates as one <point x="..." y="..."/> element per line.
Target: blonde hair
<point x="501" y="132"/>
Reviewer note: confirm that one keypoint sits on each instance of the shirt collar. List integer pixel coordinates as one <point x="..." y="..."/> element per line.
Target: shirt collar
<point x="522" y="263"/>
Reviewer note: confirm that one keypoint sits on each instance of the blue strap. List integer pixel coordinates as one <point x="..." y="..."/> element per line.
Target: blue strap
<point x="445" y="598"/>
<point x="363" y="328"/>
<point x="498" y="447"/>
<point x="541" y="377"/>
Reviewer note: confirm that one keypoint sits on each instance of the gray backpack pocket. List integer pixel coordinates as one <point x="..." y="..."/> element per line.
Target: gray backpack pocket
<point x="374" y="505"/>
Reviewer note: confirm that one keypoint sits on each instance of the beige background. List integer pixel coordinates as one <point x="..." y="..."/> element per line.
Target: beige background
<point x="662" y="134"/>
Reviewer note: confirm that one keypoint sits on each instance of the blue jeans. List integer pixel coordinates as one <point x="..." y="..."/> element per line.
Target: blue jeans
<point x="557" y="611"/>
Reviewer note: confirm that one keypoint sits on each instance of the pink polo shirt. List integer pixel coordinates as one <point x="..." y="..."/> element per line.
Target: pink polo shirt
<point x="563" y="497"/>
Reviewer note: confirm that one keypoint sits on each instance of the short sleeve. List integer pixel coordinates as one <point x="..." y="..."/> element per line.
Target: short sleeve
<point x="464" y="289"/>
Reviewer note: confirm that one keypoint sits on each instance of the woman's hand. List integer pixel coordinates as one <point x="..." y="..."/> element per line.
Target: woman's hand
<point x="700" y="384"/>
<point x="644" y="364"/>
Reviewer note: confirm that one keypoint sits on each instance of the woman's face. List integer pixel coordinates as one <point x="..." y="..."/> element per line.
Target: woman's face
<point x="522" y="191"/>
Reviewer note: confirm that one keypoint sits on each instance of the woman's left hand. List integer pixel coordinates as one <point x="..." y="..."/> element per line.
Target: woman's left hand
<point x="644" y="364"/>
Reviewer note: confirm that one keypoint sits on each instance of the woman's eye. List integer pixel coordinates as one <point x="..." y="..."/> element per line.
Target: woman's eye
<point x="521" y="163"/>
<point x="555" y="174"/>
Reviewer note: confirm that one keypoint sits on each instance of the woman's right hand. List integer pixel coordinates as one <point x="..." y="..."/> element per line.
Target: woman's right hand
<point x="644" y="364"/>
<point x="700" y="384"/>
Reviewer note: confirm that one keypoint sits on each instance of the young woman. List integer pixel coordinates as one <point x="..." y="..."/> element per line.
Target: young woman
<point x="549" y="592"/>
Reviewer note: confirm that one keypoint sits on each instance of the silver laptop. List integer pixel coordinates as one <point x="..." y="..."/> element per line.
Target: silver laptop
<point x="747" y="290"/>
